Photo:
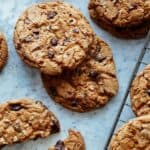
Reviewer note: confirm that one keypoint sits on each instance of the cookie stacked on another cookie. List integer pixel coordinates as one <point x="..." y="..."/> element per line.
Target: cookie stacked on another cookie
<point x="77" y="67"/>
<point x="91" y="85"/>
<point x="123" y="18"/>
<point x="52" y="36"/>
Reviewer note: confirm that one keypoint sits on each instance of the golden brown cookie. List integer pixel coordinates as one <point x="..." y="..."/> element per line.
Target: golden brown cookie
<point x="140" y="93"/>
<point x="3" y="51"/>
<point x="25" y="119"/>
<point x="123" y="18"/>
<point x="52" y="36"/>
<point x="134" y="135"/>
<point x="91" y="85"/>
<point x="74" y="141"/>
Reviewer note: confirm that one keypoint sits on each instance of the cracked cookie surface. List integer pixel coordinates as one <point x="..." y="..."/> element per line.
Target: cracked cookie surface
<point x="90" y="85"/>
<point x="140" y="93"/>
<point x="123" y="18"/>
<point x="52" y="36"/>
<point x="25" y="119"/>
<point x="74" y="141"/>
<point x="3" y="51"/>
<point x="134" y="135"/>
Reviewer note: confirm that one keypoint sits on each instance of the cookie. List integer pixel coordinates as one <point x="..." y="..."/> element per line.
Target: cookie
<point x="25" y="119"/>
<point x="3" y="51"/>
<point x="74" y="141"/>
<point x="90" y="85"/>
<point x="52" y="36"/>
<point x="134" y="135"/>
<point x="122" y="18"/>
<point x="140" y="93"/>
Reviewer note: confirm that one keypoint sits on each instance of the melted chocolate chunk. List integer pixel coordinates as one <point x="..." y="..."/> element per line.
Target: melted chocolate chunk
<point x="93" y="75"/>
<point x="54" y="42"/>
<point x="60" y="145"/>
<point x="15" y="107"/>
<point x="55" y="128"/>
<point x="51" y="14"/>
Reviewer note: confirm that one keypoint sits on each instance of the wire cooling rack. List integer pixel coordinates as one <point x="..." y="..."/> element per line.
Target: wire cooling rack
<point x="126" y="113"/>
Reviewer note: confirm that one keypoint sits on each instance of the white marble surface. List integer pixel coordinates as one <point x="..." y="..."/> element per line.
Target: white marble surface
<point x="18" y="80"/>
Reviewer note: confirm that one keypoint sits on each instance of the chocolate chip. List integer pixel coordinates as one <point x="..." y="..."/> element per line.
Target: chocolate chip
<point x="71" y="20"/>
<point x="100" y="58"/>
<point x="50" y="54"/>
<point x="60" y="145"/>
<point x="93" y="75"/>
<point x="74" y="103"/>
<point x="148" y="92"/>
<point x="55" y="128"/>
<point x="51" y="14"/>
<point x="15" y="107"/>
<point x="54" y="42"/>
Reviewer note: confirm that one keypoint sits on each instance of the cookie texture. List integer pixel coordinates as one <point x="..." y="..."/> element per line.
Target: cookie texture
<point x="140" y="93"/>
<point x="25" y="119"/>
<point x="74" y="141"/>
<point x="134" y="135"/>
<point x="3" y="51"/>
<point x="52" y="36"/>
<point x="90" y="85"/>
<point x="123" y="18"/>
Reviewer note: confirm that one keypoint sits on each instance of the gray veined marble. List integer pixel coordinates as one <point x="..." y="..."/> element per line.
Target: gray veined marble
<point x="17" y="80"/>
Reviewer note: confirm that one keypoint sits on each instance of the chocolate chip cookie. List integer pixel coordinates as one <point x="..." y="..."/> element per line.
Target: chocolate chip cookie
<point x="52" y="36"/>
<point x="123" y="18"/>
<point x="90" y="85"/>
<point x="25" y="119"/>
<point x="140" y="93"/>
<point x="3" y="51"/>
<point x="75" y="141"/>
<point x="134" y="135"/>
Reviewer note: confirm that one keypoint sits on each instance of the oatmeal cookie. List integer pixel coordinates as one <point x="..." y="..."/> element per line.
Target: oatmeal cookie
<point x="52" y="36"/>
<point x="134" y="135"/>
<point x="3" y="51"/>
<point x="140" y="93"/>
<point x="25" y="119"/>
<point x="74" y="141"/>
<point x="123" y="18"/>
<point x="90" y="85"/>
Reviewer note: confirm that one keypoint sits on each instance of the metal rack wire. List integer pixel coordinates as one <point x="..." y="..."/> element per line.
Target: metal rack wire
<point x="125" y="112"/>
